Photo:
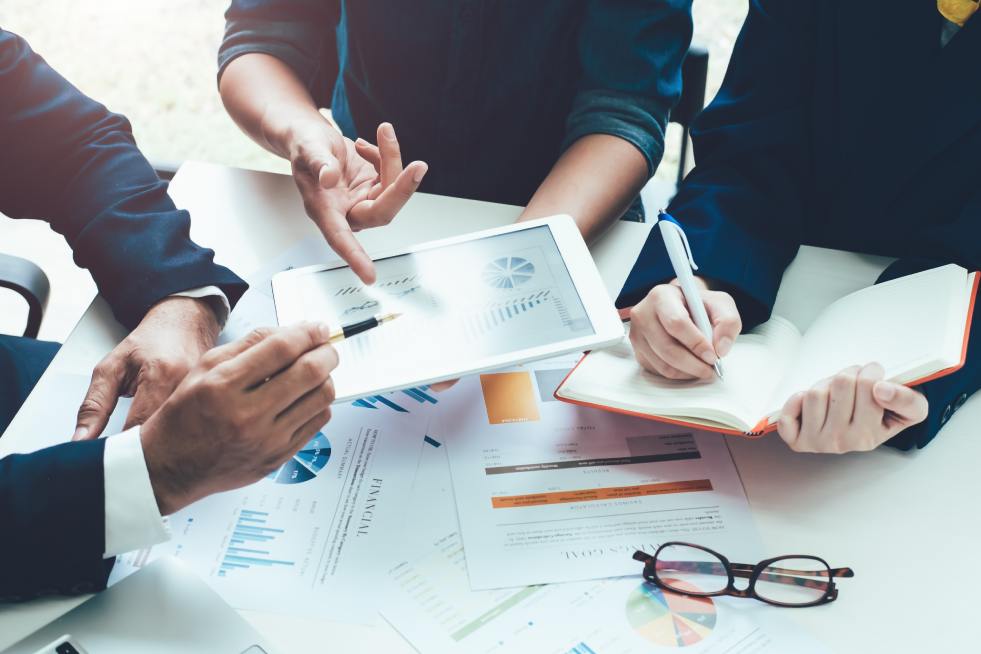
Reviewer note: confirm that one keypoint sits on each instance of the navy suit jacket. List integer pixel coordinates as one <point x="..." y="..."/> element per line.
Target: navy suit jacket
<point x="842" y="126"/>
<point x="66" y="159"/>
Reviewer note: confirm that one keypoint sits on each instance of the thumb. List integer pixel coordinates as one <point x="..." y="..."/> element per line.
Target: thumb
<point x="320" y="163"/>
<point x="910" y="407"/>
<point x="99" y="402"/>
<point x="725" y="319"/>
<point x="150" y="396"/>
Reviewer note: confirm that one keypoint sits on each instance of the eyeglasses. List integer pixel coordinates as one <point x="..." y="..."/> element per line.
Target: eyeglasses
<point x="793" y="580"/>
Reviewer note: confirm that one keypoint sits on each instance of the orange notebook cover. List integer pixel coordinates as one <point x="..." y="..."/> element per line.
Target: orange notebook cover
<point x="764" y="426"/>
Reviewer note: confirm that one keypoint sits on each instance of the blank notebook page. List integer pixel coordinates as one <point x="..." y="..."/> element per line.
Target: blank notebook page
<point x="912" y="326"/>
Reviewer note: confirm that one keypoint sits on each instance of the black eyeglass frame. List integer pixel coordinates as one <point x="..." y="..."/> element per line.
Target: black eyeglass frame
<point x="744" y="571"/>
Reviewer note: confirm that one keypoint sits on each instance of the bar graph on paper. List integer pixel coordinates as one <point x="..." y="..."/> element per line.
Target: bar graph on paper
<point x="420" y="395"/>
<point x="249" y="545"/>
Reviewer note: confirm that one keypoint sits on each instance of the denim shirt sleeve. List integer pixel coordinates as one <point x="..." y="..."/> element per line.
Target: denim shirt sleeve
<point x="631" y="54"/>
<point x="300" y="33"/>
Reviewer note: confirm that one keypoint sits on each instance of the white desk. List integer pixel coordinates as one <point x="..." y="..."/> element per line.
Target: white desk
<point x="883" y="513"/>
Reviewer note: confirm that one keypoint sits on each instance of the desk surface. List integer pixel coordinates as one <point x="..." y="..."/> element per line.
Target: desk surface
<point x="884" y="513"/>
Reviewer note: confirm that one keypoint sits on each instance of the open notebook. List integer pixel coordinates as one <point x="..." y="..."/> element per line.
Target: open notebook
<point x="916" y="327"/>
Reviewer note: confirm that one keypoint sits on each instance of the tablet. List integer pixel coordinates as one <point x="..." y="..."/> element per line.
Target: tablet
<point x="471" y="303"/>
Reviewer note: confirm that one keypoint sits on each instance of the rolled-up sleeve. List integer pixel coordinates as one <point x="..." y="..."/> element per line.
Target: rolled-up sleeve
<point x="300" y="33"/>
<point x="631" y="53"/>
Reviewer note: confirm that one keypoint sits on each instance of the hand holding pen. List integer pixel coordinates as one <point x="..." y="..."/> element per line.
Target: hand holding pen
<point x="669" y="338"/>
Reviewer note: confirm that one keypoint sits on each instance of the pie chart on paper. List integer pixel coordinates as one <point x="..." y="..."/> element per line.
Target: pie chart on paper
<point x="305" y="464"/>
<point x="667" y="619"/>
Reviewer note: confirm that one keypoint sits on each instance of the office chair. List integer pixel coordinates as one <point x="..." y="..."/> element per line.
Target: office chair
<point x="30" y="282"/>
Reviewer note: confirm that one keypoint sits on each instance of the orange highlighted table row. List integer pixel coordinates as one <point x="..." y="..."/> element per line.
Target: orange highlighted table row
<point x="591" y="494"/>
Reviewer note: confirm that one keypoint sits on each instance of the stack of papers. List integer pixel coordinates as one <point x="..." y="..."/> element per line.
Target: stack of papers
<point x="490" y="517"/>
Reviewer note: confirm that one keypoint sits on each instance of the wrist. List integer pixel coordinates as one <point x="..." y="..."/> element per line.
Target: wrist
<point x="285" y="127"/>
<point x="165" y="480"/>
<point x="199" y="314"/>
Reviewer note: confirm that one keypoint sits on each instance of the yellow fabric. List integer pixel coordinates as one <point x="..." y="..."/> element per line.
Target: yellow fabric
<point x="957" y="11"/>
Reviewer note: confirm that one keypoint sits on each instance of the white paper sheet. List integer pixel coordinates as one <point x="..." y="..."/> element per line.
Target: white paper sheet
<point x="550" y="492"/>
<point x="306" y="539"/>
<point x="428" y="600"/>
<point x="57" y="424"/>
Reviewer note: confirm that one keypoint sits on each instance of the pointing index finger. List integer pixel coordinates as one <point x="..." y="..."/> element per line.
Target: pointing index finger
<point x="341" y="239"/>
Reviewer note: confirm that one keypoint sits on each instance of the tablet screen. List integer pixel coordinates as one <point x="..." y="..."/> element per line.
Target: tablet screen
<point x="461" y="302"/>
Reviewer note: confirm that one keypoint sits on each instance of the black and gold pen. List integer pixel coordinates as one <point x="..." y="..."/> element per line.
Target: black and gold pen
<point x="347" y="331"/>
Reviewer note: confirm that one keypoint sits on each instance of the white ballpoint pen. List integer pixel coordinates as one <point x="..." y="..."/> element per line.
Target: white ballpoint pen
<point x="676" y="243"/>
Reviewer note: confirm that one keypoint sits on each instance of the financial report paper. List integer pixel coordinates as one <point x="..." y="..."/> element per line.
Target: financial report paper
<point x="306" y="539"/>
<point x="427" y="598"/>
<point x="552" y="492"/>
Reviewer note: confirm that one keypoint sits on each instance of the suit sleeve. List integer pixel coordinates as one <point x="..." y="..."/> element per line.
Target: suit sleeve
<point x="300" y="33"/>
<point x="957" y="242"/>
<point x="742" y="205"/>
<point x="630" y="54"/>
<point x="52" y="512"/>
<point x="68" y="160"/>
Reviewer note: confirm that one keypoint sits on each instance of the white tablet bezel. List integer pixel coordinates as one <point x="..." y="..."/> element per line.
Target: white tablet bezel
<point x="602" y="314"/>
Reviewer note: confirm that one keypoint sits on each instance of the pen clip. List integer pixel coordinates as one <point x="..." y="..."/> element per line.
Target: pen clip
<point x="670" y="222"/>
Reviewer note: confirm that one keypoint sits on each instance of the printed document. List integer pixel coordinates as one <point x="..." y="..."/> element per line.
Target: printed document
<point x="306" y="539"/>
<point x="551" y="492"/>
<point x="428" y="600"/>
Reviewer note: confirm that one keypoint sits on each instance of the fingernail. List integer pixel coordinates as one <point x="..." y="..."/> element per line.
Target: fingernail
<point x="884" y="391"/>
<point x="361" y="141"/>
<point x="324" y="331"/>
<point x="388" y="131"/>
<point x="725" y="344"/>
<point x="80" y="433"/>
<point x="708" y="357"/>
<point x="420" y="173"/>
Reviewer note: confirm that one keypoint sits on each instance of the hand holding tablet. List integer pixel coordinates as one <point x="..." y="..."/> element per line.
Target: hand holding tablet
<point x="471" y="303"/>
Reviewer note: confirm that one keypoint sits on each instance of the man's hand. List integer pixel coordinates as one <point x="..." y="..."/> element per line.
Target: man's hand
<point x="854" y="411"/>
<point x="239" y="414"/>
<point x="668" y="343"/>
<point x="149" y="363"/>
<point x="348" y="186"/>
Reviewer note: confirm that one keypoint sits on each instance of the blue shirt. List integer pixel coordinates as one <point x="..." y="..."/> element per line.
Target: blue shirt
<point x="488" y="92"/>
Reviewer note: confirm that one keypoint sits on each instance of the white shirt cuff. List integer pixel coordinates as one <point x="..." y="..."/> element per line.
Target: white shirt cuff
<point x="133" y="520"/>
<point x="222" y="307"/>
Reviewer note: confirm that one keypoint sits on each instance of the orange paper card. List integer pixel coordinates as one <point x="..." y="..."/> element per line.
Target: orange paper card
<point x="509" y="397"/>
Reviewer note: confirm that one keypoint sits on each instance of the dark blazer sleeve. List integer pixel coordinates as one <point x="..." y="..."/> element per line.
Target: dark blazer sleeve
<point x="742" y="205"/>
<point x="947" y="394"/>
<point x="66" y="159"/>
<point x="52" y="512"/>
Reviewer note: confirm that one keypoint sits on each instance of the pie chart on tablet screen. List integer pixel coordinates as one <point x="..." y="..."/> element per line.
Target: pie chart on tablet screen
<point x="508" y="272"/>
<point x="667" y="619"/>
<point x="305" y="464"/>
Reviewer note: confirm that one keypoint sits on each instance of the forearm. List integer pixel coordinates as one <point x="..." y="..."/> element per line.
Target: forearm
<point x="594" y="181"/>
<point x="68" y="160"/>
<point x="267" y="100"/>
<point x="51" y="506"/>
